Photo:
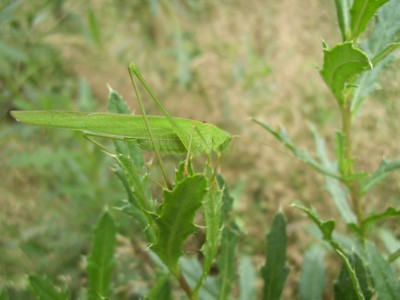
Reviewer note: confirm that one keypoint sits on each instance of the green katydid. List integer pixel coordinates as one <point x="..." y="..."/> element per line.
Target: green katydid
<point x="164" y="134"/>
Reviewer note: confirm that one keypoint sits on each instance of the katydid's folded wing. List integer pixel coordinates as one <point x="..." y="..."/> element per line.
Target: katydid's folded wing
<point x="205" y="136"/>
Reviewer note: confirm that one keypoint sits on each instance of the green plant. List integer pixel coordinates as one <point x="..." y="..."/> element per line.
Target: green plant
<point x="350" y="70"/>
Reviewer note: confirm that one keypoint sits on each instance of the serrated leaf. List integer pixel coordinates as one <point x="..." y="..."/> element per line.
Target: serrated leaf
<point x="341" y="64"/>
<point x="384" y="169"/>
<point x="212" y="217"/>
<point x="390" y="212"/>
<point x="386" y="282"/>
<point x="283" y="137"/>
<point x="230" y="234"/>
<point x="313" y="271"/>
<point x="101" y="260"/>
<point x="275" y="271"/>
<point x="343" y="286"/>
<point x="361" y="13"/>
<point x="176" y="219"/>
<point x="326" y="227"/>
<point x="161" y="290"/>
<point x="343" y="14"/>
<point x="44" y="289"/>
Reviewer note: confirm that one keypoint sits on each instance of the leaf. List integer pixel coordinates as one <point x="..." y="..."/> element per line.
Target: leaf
<point x="274" y="272"/>
<point x="230" y="234"/>
<point x="361" y="13"/>
<point x="338" y="192"/>
<point x="343" y="14"/>
<point x="176" y="219"/>
<point x="343" y="286"/>
<point x="283" y="137"/>
<point x="247" y="279"/>
<point x="326" y="227"/>
<point x="44" y="289"/>
<point x="313" y="271"/>
<point x="385" y="279"/>
<point x="161" y="290"/>
<point x="390" y="212"/>
<point x="212" y="218"/>
<point x="383" y="170"/>
<point x="101" y="260"/>
<point x="385" y="33"/>
<point x="341" y="64"/>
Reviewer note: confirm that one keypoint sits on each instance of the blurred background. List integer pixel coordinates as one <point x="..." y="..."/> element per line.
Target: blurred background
<point x="218" y="61"/>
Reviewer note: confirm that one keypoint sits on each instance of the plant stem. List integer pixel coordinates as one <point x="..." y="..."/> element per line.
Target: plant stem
<point x="185" y="286"/>
<point x="350" y="179"/>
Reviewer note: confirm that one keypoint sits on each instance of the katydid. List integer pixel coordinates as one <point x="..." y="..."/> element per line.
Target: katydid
<point x="164" y="134"/>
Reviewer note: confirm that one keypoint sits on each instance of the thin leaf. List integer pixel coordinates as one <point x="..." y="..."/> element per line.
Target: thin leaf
<point x="341" y="64"/>
<point x="176" y="219"/>
<point x="326" y="227"/>
<point x="274" y="272"/>
<point x="230" y="234"/>
<point x="383" y="170"/>
<point x="161" y="290"/>
<point x="101" y="260"/>
<point x="312" y="277"/>
<point x="337" y="191"/>
<point x="212" y="217"/>
<point x="384" y="53"/>
<point x="247" y="279"/>
<point x="44" y="289"/>
<point x="343" y="286"/>
<point x="386" y="282"/>
<point x="361" y="13"/>
<point x="390" y="212"/>
<point x="283" y="137"/>
<point x="343" y="15"/>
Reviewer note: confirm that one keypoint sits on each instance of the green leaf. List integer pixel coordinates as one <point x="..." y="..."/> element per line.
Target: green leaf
<point x="283" y="137"/>
<point x="230" y="234"/>
<point x="94" y="27"/>
<point x="341" y="64"/>
<point x="44" y="289"/>
<point x="326" y="227"/>
<point x="247" y="279"/>
<point x="383" y="170"/>
<point x="343" y="15"/>
<point x="343" y="286"/>
<point x="101" y="260"/>
<point x="212" y="218"/>
<point x="116" y="103"/>
<point x="387" y="284"/>
<point x="313" y="270"/>
<point x="274" y="272"/>
<point x="383" y="38"/>
<point x="161" y="290"/>
<point x="390" y="212"/>
<point x="361" y="13"/>
<point x="176" y="219"/>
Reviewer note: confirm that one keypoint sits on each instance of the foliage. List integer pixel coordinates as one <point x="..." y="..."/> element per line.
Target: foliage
<point x="162" y="226"/>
